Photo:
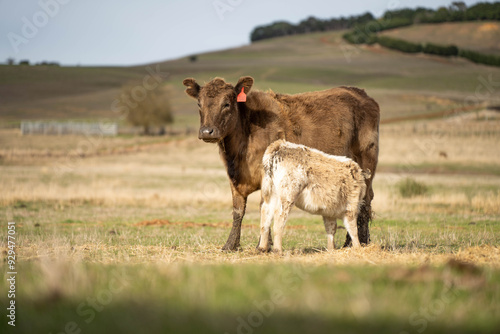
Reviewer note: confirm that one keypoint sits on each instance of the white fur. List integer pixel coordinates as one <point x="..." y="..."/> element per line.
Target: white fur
<point x="296" y="174"/>
<point x="329" y="156"/>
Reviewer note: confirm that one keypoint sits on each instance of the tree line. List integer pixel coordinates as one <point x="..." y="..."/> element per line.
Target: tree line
<point x="457" y="12"/>
<point x="311" y="24"/>
<point x="11" y="62"/>
<point x="436" y="49"/>
<point x="368" y="25"/>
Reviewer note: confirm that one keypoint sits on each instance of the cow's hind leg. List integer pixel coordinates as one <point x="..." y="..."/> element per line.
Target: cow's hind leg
<point x="367" y="159"/>
<point x="330" y="228"/>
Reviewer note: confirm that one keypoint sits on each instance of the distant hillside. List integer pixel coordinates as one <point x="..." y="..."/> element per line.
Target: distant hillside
<point x="478" y="36"/>
<point x="40" y="92"/>
<point x="404" y="85"/>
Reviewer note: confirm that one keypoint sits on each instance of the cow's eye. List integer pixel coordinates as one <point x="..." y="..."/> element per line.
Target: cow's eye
<point x="199" y="105"/>
<point x="226" y="106"/>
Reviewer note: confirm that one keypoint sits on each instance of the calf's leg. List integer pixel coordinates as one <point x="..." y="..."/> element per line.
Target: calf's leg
<point x="352" y="228"/>
<point x="269" y="237"/>
<point x="363" y="222"/>
<point x="266" y="218"/>
<point x="282" y="210"/>
<point x="330" y="228"/>
<point x="364" y="214"/>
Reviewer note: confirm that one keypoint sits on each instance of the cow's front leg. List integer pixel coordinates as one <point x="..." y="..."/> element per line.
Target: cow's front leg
<point x="239" y="205"/>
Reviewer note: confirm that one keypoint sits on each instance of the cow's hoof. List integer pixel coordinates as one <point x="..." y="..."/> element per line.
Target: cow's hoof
<point x="231" y="248"/>
<point x="347" y="244"/>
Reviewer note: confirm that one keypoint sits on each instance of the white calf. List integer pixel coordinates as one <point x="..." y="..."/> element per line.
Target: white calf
<point x="316" y="182"/>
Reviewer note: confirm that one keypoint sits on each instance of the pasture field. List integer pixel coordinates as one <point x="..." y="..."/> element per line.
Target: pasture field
<point x="124" y="235"/>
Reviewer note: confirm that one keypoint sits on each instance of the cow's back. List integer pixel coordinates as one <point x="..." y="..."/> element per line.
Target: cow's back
<point x="328" y="120"/>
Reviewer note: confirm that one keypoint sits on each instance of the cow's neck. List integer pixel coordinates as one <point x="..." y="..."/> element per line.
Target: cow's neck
<point x="233" y="147"/>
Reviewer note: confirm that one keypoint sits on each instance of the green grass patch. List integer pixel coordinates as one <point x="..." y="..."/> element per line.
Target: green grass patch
<point x="277" y="298"/>
<point x="409" y="187"/>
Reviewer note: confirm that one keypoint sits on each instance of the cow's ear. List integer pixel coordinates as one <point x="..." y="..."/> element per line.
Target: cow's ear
<point x="246" y="83"/>
<point x="193" y="89"/>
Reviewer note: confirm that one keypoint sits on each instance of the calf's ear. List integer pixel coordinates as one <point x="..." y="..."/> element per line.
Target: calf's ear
<point x="193" y="89"/>
<point x="246" y="83"/>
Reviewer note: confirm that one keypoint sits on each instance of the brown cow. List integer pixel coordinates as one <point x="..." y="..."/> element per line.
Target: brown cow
<point x="341" y="121"/>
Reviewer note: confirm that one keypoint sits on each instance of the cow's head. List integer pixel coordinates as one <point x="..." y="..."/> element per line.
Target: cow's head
<point x="218" y="107"/>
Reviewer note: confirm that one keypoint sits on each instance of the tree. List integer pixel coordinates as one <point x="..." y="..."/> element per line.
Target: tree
<point x="147" y="107"/>
<point x="459" y="6"/>
<point x="311" y="24"/>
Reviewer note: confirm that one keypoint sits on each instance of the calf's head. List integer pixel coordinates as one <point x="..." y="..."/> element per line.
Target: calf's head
<point x="218" y="106"/>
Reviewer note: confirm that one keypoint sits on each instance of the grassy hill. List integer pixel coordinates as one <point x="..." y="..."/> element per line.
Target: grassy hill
<point x="40" y="92"/>
<point x="404" y="85"/>
<point x="478" y="36"/>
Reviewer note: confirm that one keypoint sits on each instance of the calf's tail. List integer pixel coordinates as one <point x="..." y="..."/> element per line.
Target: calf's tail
<point x="366" y="174"/>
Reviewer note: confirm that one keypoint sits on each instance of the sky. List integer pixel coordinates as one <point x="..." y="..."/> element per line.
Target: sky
<point x="131" y="32"/>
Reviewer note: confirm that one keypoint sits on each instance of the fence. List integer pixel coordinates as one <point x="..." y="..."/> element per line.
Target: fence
<point x="66" y="128"/>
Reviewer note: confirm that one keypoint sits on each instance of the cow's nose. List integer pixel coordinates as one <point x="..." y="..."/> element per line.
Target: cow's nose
<point x="209" y="134"/>
<point x="207" y="131"/>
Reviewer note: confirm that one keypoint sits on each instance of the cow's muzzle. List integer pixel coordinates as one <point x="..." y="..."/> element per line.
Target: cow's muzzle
<point x="209" y="134"/>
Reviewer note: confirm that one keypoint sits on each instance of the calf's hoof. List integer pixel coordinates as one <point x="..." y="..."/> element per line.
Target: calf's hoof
<point x="278" y="251"/>
<point x="263" y="249"/>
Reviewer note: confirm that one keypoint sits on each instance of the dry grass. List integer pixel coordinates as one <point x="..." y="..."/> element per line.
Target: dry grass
<point x="464" y="139"/>
<point x="157" y="213"/>
<point x="102" y="252"/>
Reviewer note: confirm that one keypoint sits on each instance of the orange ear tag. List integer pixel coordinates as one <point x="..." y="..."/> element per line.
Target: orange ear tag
<point x="242" y="97"/>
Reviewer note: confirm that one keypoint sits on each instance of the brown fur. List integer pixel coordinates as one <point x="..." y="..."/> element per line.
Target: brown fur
<point x="341" y="121"/>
